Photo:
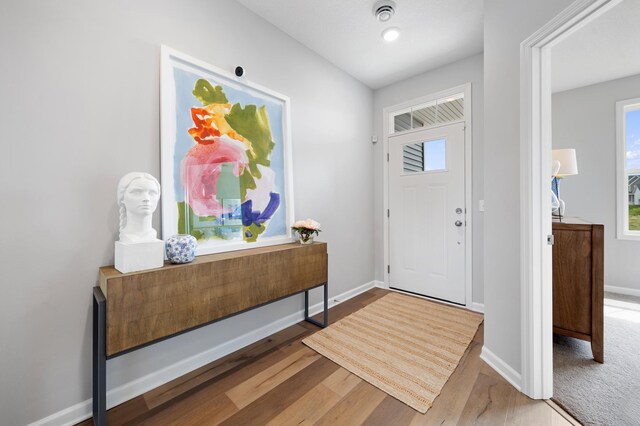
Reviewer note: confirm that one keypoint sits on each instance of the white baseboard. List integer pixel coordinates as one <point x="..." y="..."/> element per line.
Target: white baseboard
<point x="622" y="290"/>
<point x="504" y="369"/>
<point x="379" y="284"/>
<point x="336" y="300"/>
<point x="69" y="416"/>
<point x="477" y="307"/>
<point x="83" y="410"/>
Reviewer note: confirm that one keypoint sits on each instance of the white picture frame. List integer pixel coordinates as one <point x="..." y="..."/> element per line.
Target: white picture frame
<point x="203" y="158"/>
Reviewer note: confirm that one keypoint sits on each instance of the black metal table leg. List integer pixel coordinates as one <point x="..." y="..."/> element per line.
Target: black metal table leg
<point x="326" y="304"/>
<point x="99" y="359"/>
<point x="326" y="308"/>
<point x="306" y="305"/>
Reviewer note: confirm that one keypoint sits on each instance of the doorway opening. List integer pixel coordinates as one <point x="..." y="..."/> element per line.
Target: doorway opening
<point x="536" y="154"/>
<point x="595" y="104"/>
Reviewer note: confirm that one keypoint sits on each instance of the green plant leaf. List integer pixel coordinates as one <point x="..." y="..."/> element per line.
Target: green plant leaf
<point x="207" y="94"/>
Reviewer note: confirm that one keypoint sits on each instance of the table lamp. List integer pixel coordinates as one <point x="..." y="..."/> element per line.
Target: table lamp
<point x="568" y="167"/>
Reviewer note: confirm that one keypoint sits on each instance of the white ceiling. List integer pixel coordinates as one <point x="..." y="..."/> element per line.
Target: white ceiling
<point x="605" y="49"/>
<point x="433" y="33"/>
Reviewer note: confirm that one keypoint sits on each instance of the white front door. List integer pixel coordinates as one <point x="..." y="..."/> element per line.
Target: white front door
<point x="427" y="212"/>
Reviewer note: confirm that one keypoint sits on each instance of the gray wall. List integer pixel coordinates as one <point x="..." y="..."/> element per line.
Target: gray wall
<point x="455" y="74"/>
<point x="506" y="25"/>
<point x="585" y="119"/>
<point x="79" y="107"/>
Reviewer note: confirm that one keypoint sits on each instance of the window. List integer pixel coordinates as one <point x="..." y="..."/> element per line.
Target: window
<point x="628" y="141"/>
<point x="444" y="110"/>
<point x="429" y="156"/>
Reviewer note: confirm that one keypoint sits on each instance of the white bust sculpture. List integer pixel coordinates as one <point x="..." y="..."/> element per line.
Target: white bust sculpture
<point x="138" y="195"/>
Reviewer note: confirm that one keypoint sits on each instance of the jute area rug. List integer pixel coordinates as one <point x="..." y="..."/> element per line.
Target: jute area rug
<point x="405" y="346"/>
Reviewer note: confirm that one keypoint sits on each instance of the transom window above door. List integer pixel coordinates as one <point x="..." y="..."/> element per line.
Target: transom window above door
<point x="444" y="110"/>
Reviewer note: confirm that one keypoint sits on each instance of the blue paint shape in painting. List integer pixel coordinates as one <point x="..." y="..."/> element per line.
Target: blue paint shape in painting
<point x="250" y="216"/>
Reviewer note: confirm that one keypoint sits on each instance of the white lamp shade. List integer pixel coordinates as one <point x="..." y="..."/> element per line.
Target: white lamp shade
<point x="568" y="162"/>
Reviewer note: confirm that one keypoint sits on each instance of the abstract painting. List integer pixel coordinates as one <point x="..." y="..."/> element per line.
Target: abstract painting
<point x="225" y="157"/>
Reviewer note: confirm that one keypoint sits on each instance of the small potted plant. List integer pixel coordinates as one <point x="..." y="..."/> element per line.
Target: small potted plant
<point x="306" y="229"/>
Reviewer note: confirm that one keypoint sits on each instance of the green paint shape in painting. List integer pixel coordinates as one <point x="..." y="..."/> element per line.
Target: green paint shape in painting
<point x="252" y="231"/>
<point x="207" y="94"/>
<point x="247" y="181"/>
<point x="186" y="218"/>
<point x="228" y="185"/>
<point x="182" y="213"/>
<point x="253" y="124"/>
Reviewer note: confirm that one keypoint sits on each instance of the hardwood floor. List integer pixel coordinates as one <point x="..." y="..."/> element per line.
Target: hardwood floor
<point x="280" y="381"/>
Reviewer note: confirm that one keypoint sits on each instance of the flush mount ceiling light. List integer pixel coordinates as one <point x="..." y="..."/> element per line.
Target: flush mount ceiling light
<point x="383" y="10"/>
<point x="391" y="34"/>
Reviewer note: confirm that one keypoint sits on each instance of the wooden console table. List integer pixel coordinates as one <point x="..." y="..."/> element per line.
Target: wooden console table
<point x="137" y="309"/>
<point x="578" y="282"/>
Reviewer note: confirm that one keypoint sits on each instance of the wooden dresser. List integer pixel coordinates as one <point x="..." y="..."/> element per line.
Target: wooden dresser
<point x="578" y="282"/>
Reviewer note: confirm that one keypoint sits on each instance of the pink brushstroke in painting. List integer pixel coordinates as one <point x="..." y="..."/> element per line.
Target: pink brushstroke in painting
<point x="201" y="168"/>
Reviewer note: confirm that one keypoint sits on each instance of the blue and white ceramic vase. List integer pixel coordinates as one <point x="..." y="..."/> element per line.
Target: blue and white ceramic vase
<point x="181" y="248"/>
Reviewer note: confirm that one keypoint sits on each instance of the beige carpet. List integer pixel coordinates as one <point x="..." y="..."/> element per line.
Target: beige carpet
<point x="406" y="346"/>
<point x="602" y="394"/>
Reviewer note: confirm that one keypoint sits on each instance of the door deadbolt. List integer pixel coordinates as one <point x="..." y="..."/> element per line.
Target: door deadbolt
<point x="459" y="210"/>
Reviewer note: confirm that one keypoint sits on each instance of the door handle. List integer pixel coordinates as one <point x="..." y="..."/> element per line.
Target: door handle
<point x="458" y="223"/>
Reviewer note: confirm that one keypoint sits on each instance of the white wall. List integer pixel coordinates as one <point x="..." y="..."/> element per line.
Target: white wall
<point x="585" y="119"/>
<point x="506" y="25"/>
<point x="79" y="107"/>
<point x="455" y="74"/>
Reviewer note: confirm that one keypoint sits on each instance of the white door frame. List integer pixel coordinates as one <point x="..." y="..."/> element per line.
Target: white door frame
<point x="535" y="201"/>
<point x="386" y="112"/>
